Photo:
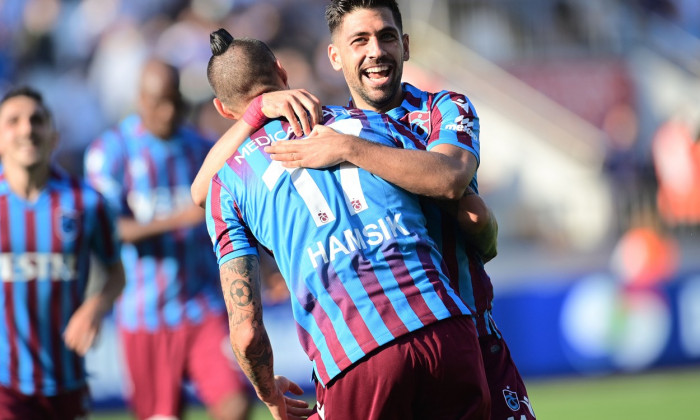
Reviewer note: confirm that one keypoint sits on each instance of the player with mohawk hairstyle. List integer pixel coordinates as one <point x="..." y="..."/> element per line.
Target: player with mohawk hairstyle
<point x="369" y="47"/>
<point x="387" y="335"/>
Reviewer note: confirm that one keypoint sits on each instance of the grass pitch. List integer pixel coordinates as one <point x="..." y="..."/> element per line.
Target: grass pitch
<point x="669" y="395"/>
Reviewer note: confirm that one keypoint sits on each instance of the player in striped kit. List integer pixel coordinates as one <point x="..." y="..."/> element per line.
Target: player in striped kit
<point x="50" y="224"/>
<point x="369" y="47"/>
<point x="171" y="318"/>
<point x="387" y="335"/>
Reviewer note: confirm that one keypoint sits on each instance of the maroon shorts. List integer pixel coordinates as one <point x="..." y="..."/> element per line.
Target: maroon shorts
<point x="159" y="362"/>
<point x="72" y="405"/>
<point x="434" y="373"/>
<point x="509" y="398"/>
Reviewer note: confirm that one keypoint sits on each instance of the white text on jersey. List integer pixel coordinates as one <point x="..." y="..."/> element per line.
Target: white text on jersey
<point x="37" y="265"/>
<point x="261" y="141"/>
<point x="353" y="239"/>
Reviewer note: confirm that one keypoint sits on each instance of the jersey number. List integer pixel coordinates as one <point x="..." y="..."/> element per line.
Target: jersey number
<point x="310" y="192"/>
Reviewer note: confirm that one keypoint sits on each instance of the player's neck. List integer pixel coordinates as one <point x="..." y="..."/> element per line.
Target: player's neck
<point x="26" y="182"/>
<point x="395" y="102"/>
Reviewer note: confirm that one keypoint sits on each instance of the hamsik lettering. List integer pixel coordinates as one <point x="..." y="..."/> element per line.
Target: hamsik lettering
<point x="351" y="240"/>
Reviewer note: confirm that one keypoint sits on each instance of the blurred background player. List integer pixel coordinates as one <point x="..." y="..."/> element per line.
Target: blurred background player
<point x="388" y="337"/>
<point x="171" y="318"/>
<point x="50" y="224"/>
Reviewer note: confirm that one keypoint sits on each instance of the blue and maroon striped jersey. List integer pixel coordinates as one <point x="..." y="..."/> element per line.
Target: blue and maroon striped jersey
<point x="170" y="278"/>
<point x="45" y="249"/>
<point x="450" y="118"/>
<point x="352" y="247"/>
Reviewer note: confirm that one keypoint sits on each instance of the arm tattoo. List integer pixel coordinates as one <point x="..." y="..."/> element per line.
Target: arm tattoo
<point x="240" y="283"/>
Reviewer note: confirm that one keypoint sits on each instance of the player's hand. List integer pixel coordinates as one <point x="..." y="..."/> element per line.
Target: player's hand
<point x="296" y="409"/>
<point x="324" y="147"/>
<point x="286" y="408"/>
<point x="298" y="106"/>
<point x="84" y="326"/>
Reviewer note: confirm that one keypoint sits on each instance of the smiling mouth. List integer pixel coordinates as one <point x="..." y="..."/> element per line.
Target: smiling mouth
<point x="377" y="74"/>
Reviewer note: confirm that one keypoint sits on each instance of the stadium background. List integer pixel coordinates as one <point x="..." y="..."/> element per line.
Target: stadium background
<point x="589" y="113"/>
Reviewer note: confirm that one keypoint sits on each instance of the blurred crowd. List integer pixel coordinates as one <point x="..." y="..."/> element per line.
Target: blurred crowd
<point x="85" y="55"/>
<point x="629" y="68"/>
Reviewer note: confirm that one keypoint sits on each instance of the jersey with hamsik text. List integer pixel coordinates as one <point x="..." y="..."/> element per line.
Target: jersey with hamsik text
<point x="352" y="247"/>
<point x="45" y="249"/>
<point x="171" y="279"/>
<point x="450" y="118"/>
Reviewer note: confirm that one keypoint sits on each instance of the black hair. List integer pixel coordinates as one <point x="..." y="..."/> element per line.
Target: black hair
<point x="29" y="92"/>
<point x="240" y="68"/>
<point x="337" y="9"/>
<point x="219" y="41"/>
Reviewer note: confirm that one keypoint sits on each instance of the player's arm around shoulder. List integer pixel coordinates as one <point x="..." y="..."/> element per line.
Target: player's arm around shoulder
<point x="443" y="175"/>
<point x="479" y="224"/>
<point x="299" y="107"/>
<point x="229" y="142"/>
<point x="456" y="133"/>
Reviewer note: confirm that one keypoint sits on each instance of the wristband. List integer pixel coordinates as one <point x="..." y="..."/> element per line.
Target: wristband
<point x="253" y="115"/>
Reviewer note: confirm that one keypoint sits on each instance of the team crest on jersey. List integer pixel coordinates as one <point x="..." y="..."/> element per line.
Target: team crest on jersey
<point x="511" y="399"/>
<point x="419" y="121"/>
<point x="356" y="205"/>
<point x="323" y="217"/>
<point x="66" y="224"/>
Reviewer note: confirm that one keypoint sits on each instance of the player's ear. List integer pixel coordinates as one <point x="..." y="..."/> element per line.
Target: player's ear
<point x="282" y="73"/>
<point x="222" y="110"/>
<point x="334" y="57"/>
<point x="406" y="53"/>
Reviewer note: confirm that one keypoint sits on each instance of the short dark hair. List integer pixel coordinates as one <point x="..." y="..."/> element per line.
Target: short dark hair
<point x="337" y="9"/>
<point x="23" y="91"/>
<point x="29" y="92"/>
<point x="239" y="67"/>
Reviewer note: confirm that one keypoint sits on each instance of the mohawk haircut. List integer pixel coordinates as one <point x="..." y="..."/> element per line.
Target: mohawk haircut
<point x="239" y="68"/>
<point x="337" y="9"/>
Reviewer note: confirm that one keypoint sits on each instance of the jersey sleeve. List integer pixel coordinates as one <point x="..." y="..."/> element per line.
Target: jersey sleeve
<point x="454" y="121"/>
<point x="104" y="239"/>
<point x="104" y="166"/>
<point x="227" y="229"/>
<point x="402" y="136"/>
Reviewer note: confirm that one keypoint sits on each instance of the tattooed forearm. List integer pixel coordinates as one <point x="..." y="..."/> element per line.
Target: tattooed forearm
<point x="257" y="363"/>
<point x="241" y="293"/>
<point x="240" y="283"/>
